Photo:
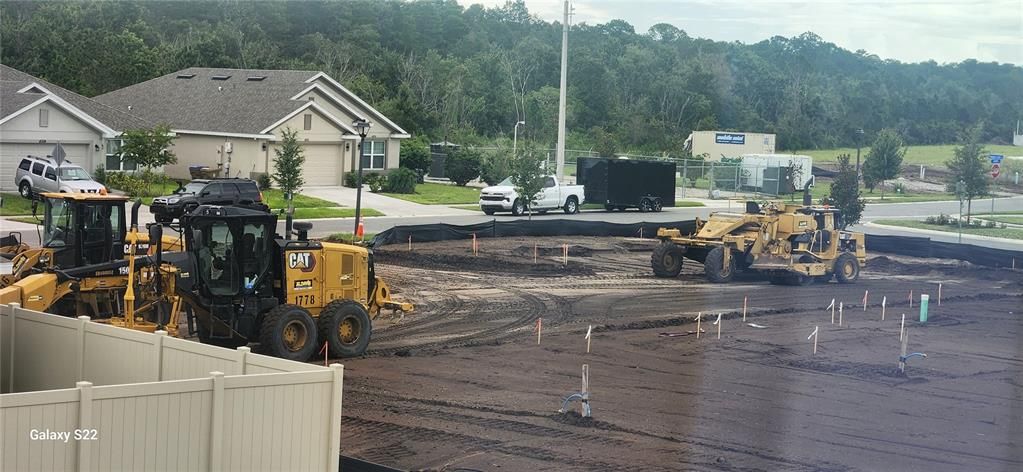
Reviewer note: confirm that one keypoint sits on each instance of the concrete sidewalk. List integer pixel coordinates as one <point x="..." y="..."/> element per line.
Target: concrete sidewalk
<point x="387" y="205"/>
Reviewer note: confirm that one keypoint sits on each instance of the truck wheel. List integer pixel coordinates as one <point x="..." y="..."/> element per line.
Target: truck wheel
<point x="25" y="189"/>
<point x="289" y="332"/>
<point x="571" y="206"/>
<point x="645" y="205"/>
<point x="715" y="268"/>
<point x="666" y="260"/>
<point x="345" y="326"/>
<point x="657" y="205"/>
<point x="847" y="268"/>
<point x="518" y="208"/>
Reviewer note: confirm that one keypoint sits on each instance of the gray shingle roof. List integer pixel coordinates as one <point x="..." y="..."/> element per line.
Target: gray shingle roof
<point x="199" y="103"/>
<point x="12" y="80"/>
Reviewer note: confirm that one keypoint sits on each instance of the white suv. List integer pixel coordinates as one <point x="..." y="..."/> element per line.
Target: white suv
<point x="39" y="175"/>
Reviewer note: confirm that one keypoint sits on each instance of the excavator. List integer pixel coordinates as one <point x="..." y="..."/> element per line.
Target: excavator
<point x="238" y="282"/>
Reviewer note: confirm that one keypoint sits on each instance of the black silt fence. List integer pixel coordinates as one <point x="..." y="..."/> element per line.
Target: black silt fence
<point x="902" y="245"/>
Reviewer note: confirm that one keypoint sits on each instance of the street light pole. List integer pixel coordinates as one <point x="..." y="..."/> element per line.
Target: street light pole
<point x="361" y="126"/>
<point x="859" y="136"/>
<point x="960" y="189"/>
<point x="515" y="138"/>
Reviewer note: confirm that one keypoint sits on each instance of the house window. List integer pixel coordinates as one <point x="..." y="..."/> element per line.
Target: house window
<point x="114" y="161"/>
<point x="44" y="118"/>
<point x="308" y="122"/>
<point x="373" y="155"/>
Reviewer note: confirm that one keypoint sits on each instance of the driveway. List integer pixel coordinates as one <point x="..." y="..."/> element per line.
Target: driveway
<point x="389" y="206"/>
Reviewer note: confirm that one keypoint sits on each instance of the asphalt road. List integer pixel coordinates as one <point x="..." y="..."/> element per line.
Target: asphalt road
<point x="874" y="211"/>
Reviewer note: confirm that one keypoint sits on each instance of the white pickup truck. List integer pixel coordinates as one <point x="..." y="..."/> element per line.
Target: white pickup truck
<point x="503" y="197"/>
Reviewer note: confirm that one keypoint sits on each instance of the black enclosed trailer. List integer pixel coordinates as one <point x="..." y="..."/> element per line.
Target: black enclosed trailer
<point x="626" y="183"/>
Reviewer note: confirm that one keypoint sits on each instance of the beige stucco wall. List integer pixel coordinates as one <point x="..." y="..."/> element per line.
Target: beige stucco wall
<point x="63" y="127"/>
<point x="247" y="155"/>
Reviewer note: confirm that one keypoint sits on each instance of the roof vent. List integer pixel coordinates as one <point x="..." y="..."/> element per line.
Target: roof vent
<point x="220" y="77"/>
<point x="255" y="78"/>
<point x="129" y="107"/>
<point x="185" y="76"/>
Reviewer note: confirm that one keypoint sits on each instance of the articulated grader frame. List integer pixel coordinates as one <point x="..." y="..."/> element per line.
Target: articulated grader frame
<point x="790" y="244"/>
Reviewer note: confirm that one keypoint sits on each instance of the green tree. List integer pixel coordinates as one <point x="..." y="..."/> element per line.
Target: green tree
<point x="604" y="143"/>
<point x="845" y="192"/>
<point x="462" y="165"/>
<point x="148" y="147"/>
<point x="969" y="166"/>
<point x="415" y="155"/>
<point x="497" y="166"/>
<point x="288" y="166"/>
<point x="884" y="159"/>
<point x="528" y="174"/>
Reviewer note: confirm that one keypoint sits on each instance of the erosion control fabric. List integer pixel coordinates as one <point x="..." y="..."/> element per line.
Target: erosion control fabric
<point x="902" y="245"/>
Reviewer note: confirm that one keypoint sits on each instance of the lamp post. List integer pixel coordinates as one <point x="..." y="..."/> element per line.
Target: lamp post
<point x="960" y="189"/>
<point x="515" y="138"/>
<point x="361" y="126"/>
<point x="859" y="136"/>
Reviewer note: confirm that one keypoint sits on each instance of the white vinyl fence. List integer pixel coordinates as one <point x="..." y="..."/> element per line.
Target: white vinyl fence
<point x="128" y="400"/>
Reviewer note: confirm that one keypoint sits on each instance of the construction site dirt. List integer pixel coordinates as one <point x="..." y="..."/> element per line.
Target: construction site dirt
<point x="466" y="383"/>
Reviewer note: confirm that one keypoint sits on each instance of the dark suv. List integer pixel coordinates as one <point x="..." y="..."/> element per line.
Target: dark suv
<point x="204" y="192"/>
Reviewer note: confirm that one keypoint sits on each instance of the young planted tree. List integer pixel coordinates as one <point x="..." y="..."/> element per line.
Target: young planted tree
<point x="148" y="148"/>
<point x="969" y="167"/>
<point x="884" y="159"/>
<point x="528" y="174"/>
<point x="845" y="192"/>
<point x="288" y="166"/>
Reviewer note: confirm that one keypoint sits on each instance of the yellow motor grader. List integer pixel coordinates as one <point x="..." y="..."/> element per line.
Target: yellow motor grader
<point x="78" y="229"/>
<point x="790" y="244"/>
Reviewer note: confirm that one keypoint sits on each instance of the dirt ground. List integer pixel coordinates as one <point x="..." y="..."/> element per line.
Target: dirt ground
<point x="462" y="384"/>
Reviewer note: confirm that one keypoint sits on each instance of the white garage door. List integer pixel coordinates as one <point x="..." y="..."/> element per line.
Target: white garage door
<point x="322" y="164"/>
<point x="11" y="154"/>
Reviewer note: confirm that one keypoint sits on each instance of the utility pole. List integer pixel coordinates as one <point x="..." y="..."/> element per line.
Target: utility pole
<point x="859" y="138"/>
<point x="559" y="159"/>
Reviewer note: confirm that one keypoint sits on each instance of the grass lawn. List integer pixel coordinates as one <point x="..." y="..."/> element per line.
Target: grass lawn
<point x="934" y="155"/>
<point x="15" y="205"/>
<point x="687" y="204"/>
<point x="430" y="193"/>
<point x="1009" y="233"/>
<point x="275" y="198"/>
<point x="1016" y="220"/>
<point x="26" y="219"/>
<point x="331" y="212"/>
<point x="468" y="207"/>
<point x="347" y="237"/>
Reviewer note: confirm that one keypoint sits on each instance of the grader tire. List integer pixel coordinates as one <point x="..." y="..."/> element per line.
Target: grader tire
<point x="847" y="268"/>
<point x="346" y="327"/>
<point x="666" y="260"/>
<point x="289" y="332"/>
<point x="714" y="266"/>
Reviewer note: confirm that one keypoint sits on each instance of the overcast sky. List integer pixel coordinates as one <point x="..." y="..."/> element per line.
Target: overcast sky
<point x="907" y="30"/>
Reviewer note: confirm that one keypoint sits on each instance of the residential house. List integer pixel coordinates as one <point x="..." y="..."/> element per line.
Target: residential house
<point x="35" y="115"/>
<point x="233" y="118"/>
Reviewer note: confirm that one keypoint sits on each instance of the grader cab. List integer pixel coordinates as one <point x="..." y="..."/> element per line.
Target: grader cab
<point x="790" y="244"/>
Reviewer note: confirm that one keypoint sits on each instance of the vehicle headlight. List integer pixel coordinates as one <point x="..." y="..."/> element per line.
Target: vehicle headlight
<point x="173" y="200"/>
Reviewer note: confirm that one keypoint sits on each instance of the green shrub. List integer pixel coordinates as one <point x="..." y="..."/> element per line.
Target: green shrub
<point x="415" y="155"/>
<point x="496" y="166"/>
<point x="463" y="165"/>
<point x="402" y="180"/>
<point x="100" y="174"/>
<point x="128" y="183"/>
<point x="374" y="181"/>
<point x="351" y="179"/>
<point x="263" y="181"/>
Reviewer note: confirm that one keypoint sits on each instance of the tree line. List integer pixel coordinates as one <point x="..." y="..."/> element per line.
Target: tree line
<point x="468" y="74"/>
